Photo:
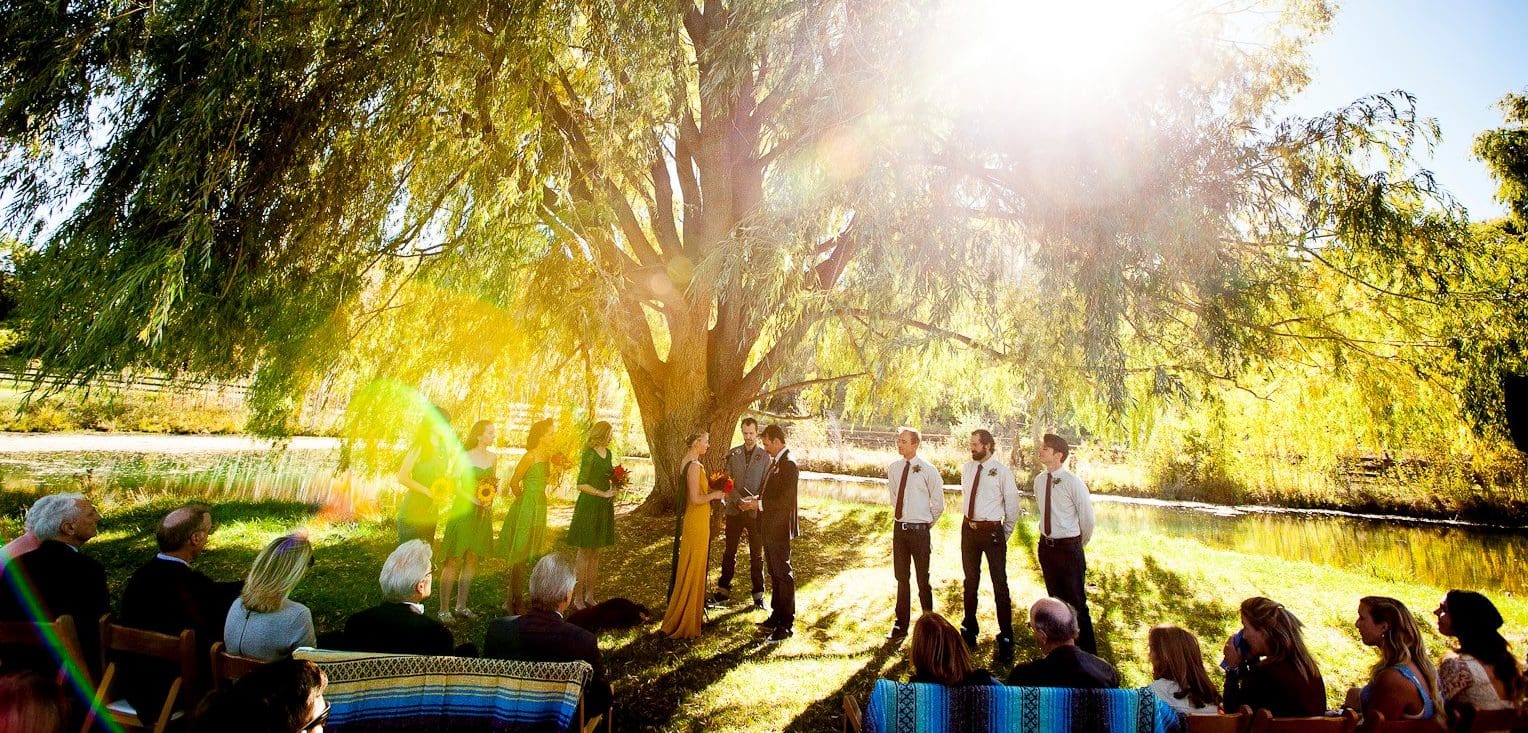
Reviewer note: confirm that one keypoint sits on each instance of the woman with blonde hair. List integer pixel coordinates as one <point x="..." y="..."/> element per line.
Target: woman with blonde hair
<point x="940" y="657"/>
<point x="1177" y="665"/>
<point x="1268" y="666"/>
<point x="1403" y="683"/>
<point x="593" y="525"/>
<point x="263" y="622"/>
<point x="687" y="595"/>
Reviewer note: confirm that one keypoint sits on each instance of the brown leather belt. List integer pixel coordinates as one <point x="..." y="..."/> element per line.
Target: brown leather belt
<point x="1060" y="541"/>
<point x="973" y="524"/>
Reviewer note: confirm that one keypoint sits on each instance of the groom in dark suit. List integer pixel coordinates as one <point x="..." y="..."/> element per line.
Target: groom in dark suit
<point x="777" y="519"/>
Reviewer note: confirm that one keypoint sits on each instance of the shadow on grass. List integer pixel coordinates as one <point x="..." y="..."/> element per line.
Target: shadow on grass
<point x="1151" y="594"/>
<point x="827" y="712"/>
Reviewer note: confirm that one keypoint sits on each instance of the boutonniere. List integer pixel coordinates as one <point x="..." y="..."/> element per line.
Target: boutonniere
<point x="917" y="468"/>
<point x="991" y="472"/>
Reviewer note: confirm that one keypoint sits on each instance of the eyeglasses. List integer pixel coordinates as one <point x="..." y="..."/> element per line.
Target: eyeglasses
<point x="322" y="718"/>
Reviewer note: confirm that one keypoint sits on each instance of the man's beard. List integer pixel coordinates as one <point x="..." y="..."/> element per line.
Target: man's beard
<point x="980" y="456"/>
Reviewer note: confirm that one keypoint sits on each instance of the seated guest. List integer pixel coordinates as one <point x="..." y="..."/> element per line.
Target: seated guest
<point x="541" y="635"/>
<point x="1482" y="671"/>
<point x="399" y="625"/>
<point x="166" y="595"/>
<point x="32" y="702"/>
<point x="1054" y="624"/>
<point x="939" y="655"/>
<point x="1267" y="665"/>
<point x="56" y="576"/>
<point x="27" y="541"/>
<point x="1403" y="684"/>
<point x="285" y="696"/>
<point x="1178" y="668"/>
<point x="263" y="622"/>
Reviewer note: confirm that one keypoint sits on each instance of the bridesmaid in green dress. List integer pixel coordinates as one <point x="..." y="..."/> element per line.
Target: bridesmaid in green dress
<point x="593" y="525"/>
<point x="521" y="540"/>
<point x="469" y="525"/>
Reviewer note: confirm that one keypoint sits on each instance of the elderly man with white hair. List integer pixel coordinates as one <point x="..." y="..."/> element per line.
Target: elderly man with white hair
<point x="399" y="625"/>
<point x="56" y="579"/>
<point x="1054" y="623"/>
<point x="27" y="541"/>
<point x="542" y="635"/>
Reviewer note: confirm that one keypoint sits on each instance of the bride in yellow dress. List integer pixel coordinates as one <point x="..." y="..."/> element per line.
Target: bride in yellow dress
<point x="687" y="599"/>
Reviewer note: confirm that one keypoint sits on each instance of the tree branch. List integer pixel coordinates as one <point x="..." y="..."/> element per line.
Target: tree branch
<point x="798" y="385"/>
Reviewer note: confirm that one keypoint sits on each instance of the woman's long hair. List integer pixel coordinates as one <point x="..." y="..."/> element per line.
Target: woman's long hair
<point x="1282" y="629"/>
<point x="1475" y="621"/>
<point x="598" y="432"/>
<point x="475" y="433"/>
<point x="1175" y="655"/>
<point x="277" y="570"/>
<point x="938" y="651"/>
<point x="537" y="433"/>
<point x="1401" y="643"/>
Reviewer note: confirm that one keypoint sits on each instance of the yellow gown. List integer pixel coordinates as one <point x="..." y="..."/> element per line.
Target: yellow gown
<point x="687" y="604"/>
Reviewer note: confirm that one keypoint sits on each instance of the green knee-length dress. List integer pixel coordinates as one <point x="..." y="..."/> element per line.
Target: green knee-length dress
<point x="593" y="523"/>
<point x="525" y="525"/>
<point x="469" y="527"/>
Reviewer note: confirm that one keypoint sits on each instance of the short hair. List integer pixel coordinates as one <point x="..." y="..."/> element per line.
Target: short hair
<point x="276" y="571"/>
<point x="917" y="439"/>
<point x="690" y="439"/>
<point x="938" y="653"/>
<point x="475" y="433"/>
<point x="551" y="582"/>
<point x="775" y="432"/>
<point x="597" y="432"/>
<point x="172" y="537"/>
<point x="984" y="436"/>
<point x="1175" y="655"/>
<point x="1057" y="443"/>
<point x="273" y="696"/>
<point x="404" y="568"/>
<point x="537" y="433"/>
<point x="1050" y="623"/>
<point x="750" y="421"/>
<point x="47" y="516"/>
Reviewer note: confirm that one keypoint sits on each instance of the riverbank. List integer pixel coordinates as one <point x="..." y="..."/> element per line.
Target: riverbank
<point x="727" y="680"/>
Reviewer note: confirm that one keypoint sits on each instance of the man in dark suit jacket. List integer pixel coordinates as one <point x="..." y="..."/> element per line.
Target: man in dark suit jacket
<point x="399" y="625"/>
<point x="1064" y="665"/>
<point x="166" y="595"/>
<point x="777" y="505"/>
<point x="58" y="578"/>
<point x="543" y="636"/>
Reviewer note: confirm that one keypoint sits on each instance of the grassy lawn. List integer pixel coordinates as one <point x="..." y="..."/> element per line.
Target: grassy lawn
<point x="728" y="680"/>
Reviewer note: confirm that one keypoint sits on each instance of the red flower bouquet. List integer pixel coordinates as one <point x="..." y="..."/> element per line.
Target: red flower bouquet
<point x="560" y="461"/>
<point x="618" y="477"/>
<point x="720" y="481"/>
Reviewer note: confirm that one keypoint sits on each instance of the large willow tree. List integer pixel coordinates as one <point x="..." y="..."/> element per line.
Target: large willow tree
<point x="731" y="199"/>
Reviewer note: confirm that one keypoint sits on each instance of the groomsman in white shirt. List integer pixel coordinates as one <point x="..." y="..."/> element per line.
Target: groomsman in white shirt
<point x="990" y="505"/>
<point x="1066" y="525"/>
<point x="917" y="500"/>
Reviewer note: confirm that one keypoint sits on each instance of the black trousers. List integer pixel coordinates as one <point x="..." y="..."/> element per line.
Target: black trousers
<point x="1063" y="567"/>
<point x="993" y="543"/>
<point x="782" y="583"/>
<point x="910" y="547"/>
<point x="737" y="524"/>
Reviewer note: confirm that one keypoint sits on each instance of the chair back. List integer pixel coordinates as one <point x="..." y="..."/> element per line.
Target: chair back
<point x="116" y="640"/>
<point x="1237" y="722"/>
<point x="375" y="692"/>
<point x="1264" y="722"/>
<point x="1376" y="722"/>
<point x="54" y="640"/>
<point x="854" y="715"/>
<point x="227" y="668"/>
<point x="1466" y="718"/>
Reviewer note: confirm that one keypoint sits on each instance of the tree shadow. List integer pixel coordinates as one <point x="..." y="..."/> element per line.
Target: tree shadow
<point x="827" y="712"/>
<point x="1151" y="594"/>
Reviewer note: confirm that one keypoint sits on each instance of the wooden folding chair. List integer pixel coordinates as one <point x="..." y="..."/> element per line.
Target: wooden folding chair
<point x="179" y="650"/>
<point x="854" y="714"/>
<point x="226" y="668"/>
<point x="53" y="640"/>
<point x="1264" y="722"/>
<point x="1237" y="722"/>
<point x="1375" y="722"/>
<point x="1466" y="718"/>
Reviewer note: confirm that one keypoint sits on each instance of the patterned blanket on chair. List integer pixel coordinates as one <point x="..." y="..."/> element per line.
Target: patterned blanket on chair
<point x="897" y="707"/>
<point x="402" y="692"/>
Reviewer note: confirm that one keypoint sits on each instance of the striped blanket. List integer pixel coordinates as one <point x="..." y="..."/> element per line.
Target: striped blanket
<point x="404" y="692"/>
<point x="897" y="707"/>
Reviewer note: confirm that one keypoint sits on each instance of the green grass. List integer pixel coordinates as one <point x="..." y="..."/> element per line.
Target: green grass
<point x="728" y="681"/>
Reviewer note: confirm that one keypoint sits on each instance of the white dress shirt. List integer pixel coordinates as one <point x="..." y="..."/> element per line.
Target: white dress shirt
<point x="1072" y="516"/>
<point x="997" y="496"/>
<point x="923" y="500"/>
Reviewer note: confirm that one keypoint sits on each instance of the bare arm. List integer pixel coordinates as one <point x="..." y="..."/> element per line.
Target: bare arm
<point x="695" y="481"/>
<point x="517" y="479"/>
<point x="406" y="471"/>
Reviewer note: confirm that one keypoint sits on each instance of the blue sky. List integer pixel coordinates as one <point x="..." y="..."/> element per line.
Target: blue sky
<point x="1458" y="58"/>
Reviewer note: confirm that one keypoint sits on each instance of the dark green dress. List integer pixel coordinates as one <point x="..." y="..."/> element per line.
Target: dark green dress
<point x="593" y="522"/>
<point x="469" y="526"/>
<point x="525" y="525"/>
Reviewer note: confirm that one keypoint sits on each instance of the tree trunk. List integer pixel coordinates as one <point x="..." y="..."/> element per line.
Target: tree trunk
<point x="672" y="409"/>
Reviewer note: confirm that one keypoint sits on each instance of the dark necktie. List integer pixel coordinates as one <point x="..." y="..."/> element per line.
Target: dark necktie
<point x="1049" y="482"/>
<point x="971" y="505"/>
<point x="902" y="488"/>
